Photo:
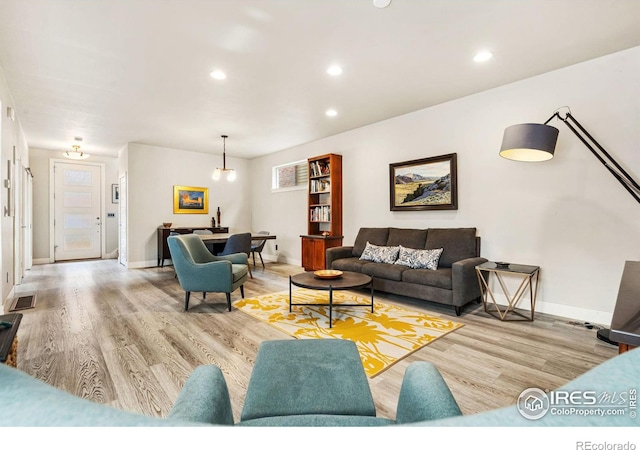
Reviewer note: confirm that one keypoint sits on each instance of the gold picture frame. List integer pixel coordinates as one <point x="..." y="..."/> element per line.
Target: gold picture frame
<point x="190" y="200"/>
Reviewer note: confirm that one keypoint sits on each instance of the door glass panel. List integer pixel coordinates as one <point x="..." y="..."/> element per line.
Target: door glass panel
<point x="76" y="221"/>
<point x="77" y="178"/>
<point x="77" y="199"/>
<point x="76" y="242"/>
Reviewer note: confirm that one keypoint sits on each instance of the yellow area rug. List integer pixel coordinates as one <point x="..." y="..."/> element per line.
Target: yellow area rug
<point x="383" y="337"/>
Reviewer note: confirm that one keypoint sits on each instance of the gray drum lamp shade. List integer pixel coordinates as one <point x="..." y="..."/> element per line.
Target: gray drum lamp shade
<point x="529" y="142"/>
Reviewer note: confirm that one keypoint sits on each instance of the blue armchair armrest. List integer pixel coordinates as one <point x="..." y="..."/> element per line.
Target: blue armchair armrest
<point x="235" y="258"/>
<point x="204" y="398"/>
<point x="424" y="395"/>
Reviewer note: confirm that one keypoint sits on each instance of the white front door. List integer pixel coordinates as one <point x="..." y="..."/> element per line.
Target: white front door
<point x="77" y="207"/>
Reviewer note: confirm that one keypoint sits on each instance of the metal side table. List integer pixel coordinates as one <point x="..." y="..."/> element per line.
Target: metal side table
<point x="529" y="283"/>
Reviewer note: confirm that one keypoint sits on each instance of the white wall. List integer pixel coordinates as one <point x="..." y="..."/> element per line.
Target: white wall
<point x="11" y="135"/>
<point x="568" y="215"/>
<point x="153" y="171"/>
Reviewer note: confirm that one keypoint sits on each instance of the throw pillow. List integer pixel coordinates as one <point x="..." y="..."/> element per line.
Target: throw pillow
<point x="419" y="259"/>
<point x="379" y="253"/>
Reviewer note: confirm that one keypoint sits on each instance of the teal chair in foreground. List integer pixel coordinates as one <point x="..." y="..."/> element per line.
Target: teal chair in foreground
<point x="200" y="271"/>
<point x="301" y="396"/>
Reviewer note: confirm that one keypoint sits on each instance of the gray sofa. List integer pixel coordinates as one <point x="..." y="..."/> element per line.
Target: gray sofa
<point x="454" y="282"/>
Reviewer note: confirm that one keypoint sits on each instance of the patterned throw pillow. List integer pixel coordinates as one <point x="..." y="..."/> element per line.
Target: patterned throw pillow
<point x="380" y="254"/>
<point x="419" y="259"/>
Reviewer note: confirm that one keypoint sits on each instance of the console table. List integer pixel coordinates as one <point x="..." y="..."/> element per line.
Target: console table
<point x="164" y="232"/>
<point x="625" y="324"/>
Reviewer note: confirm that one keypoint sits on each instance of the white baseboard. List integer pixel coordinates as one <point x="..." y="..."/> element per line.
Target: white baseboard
<point x="145" y="264"/>
<point x="281" y="259"/>
<point x="6" y="302"/>
<point x="40" y="261"/>
<point x="556" y="309"/>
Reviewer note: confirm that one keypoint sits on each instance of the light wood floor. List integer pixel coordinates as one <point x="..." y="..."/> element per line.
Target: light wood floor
<point x="121" y="337"/>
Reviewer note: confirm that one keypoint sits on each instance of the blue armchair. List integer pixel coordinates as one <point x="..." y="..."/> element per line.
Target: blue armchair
<point x="200" y="271"/>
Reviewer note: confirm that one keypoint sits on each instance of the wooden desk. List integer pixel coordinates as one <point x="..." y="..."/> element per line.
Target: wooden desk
<point x="625" y="325"/>
<point x="223" y="238"/>
<point x="163" y="234"/>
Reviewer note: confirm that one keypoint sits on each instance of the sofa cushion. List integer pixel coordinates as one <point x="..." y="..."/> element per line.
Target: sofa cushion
<point x="419" y="259"/>
<point x="353" y="264"/>
<point x="458" y="243"/>
<point x="380" y="253"/>
<point x="386" y="271"/>
<point x="440" y="278"/>
<point x="406" y="237"/>
<point x="377" y="236"/>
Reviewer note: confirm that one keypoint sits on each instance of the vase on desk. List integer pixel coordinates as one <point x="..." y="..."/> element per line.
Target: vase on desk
<point x="213" y="222"/>
<point x="218" y="214"/>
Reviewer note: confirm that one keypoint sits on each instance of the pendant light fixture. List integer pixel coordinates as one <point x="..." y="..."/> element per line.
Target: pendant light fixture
<point x="231" y="173"/>
<point x="76" y="153"/>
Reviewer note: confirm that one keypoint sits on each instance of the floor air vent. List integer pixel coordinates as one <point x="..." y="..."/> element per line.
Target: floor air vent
<point x="26" y="302"/>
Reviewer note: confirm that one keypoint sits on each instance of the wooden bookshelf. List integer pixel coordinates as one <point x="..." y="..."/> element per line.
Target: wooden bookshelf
<point x="324" y="210"/>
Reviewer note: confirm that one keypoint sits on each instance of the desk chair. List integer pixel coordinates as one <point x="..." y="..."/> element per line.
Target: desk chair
<point x="208" y="245"/>
<point x="256" y="247"/>
<point x="238" y="243"/>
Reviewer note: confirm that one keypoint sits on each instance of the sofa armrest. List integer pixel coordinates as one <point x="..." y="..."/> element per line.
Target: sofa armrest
<point x="424" y="395"/>
<point x="204" y="398"/>
<point x="337" y="253"/>
<point x="465" y="280"/>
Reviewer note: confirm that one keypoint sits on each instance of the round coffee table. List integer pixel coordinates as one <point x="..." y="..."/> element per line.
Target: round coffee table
<point x="348" y="280"/>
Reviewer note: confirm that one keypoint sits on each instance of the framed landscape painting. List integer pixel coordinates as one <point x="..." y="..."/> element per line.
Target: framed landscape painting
<point x="424" y="184"/>
<point x="190" y="200"/>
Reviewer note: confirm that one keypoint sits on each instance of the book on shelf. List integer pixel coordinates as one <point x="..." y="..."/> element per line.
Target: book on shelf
<point x="320" y="186"/>
<point x="319" y="168"/>
<point x="321" y="213"/>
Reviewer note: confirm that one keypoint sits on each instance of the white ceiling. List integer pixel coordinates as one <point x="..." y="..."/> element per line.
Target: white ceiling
<point x="118" y="71"/>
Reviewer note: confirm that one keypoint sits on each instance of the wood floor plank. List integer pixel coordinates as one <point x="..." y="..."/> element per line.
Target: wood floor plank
<point x="122" y="337"/>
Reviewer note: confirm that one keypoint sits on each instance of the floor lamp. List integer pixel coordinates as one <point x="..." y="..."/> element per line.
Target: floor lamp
<point x="537" y="142"/>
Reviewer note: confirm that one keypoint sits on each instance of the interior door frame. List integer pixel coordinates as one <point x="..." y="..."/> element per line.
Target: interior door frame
<point x="103" y="207"/>
<point x="123" y="220"/>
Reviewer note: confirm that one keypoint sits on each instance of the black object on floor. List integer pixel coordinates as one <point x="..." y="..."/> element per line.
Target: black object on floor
<point x="603" y="335"/>
<point x="26" y="302"/>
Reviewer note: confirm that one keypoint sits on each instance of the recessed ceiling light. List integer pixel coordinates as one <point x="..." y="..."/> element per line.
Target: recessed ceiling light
<point x="483" y="56"/>
<point x="218" y="75"/>
<point x="331" y="112"/>
<point x="381" y="3"/>
<point x="334" y="70"/>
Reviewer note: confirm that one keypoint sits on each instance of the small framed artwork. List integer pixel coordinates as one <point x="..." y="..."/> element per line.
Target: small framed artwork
<point x="190" y="200"/>
<point x="424" y="184"/>
<point x="115" y="193"/>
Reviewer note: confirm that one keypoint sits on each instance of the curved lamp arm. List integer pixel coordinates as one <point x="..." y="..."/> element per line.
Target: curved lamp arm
<point x="536" y="142"/>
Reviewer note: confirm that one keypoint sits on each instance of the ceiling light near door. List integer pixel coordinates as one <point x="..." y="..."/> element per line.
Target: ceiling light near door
<point x="381" y="3"/>
<point x="334" y="70"/>
<point x="76" y="153"/>
<point x="483" y="56"/>
<point x="231" y="174"/>
<point x="218" y="75"/>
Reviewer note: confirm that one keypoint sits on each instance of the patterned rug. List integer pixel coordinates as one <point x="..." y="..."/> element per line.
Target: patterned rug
<point x="383" y="337"/>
